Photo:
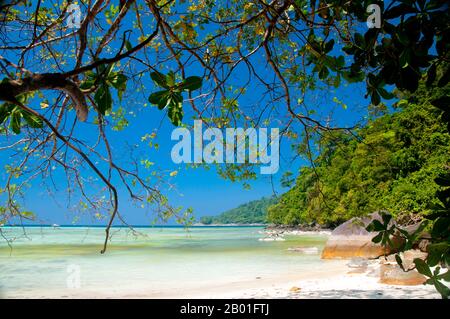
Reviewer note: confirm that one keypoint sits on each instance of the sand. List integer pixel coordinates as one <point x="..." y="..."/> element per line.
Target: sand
<point x="338" y="282"/>
<point x="331" y="279"/>
<point x="341" y="283"/>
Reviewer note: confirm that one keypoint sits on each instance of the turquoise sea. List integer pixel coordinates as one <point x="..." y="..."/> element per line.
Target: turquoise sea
<point x="151" y="262"/>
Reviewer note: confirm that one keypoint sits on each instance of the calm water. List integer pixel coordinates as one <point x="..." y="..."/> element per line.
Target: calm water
<point x="157" y="260"/>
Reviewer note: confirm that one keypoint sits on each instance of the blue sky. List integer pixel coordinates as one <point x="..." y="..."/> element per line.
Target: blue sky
<point x="203" y="190"/>
<point x="199" y="188"/>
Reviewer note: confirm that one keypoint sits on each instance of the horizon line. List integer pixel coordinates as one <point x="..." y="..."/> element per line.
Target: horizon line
<point x="133" y="226"/>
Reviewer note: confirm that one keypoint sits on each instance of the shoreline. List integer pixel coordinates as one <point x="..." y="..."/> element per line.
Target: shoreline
<point x="335" y="280"/>
<point x="342" y="278"/>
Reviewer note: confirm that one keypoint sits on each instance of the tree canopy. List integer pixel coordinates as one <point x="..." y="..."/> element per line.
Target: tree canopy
<point x="389" y="165"/>
<point x="204" y="57"/>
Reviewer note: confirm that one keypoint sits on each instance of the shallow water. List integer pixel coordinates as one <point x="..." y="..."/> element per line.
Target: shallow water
<point x="66" y="261"/>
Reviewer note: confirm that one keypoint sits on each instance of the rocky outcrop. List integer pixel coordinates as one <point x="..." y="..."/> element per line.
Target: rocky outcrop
<point x="425" y="238"/>
<point x="408" y="258"/>
<point x="351" y="239"/>
<point x="392" y="274"/>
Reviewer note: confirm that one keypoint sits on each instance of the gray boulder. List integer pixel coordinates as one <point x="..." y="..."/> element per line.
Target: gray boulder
<point x="351" y="240"/>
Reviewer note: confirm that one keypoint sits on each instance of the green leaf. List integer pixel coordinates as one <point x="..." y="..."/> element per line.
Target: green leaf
<point x="340" y="61"/>
<point x="402" y="38"/>
<point x="350" y="49"/>
<point x="15" y="121"/>
<point x="329" y="46"/>
<point x="375" y="98"/>
<point x="385" y="94"/>
<point x="32" y="120"/>
<point x="119" y="82"/>
<point x="89" y="82"/>
<point x="4" y="112"/>
<point x="170" y="78"/>
<point x="353" y="77"/>
<point x="435" y="253"/>
<point x="156" y="97"/>
<point x="191" y="83"/>
<point x="159" y="79"/>
<point x="175" y="113"/>
<point x="323" y="73"/>
<point x="442" y="289"/>
<point x="386" y="218"/>
<point x="441" y="227"/>
<point x="434" y="4"/>
<point x="405" y="58"/>
<point x="422" y="267"/>
<point x="445" y="78"/>
<point x="176" y="109"/>
<point x="375" y="225"/>
<point x="103" y="99"/>
<point x="177" y="97"/>
<point x="377" y="238"/>
<point x="22" y="98"/>
<point x="87" y="85"/>
<point x="359" y="40"/>
<point x="109" y="69"/>
<point x="399" y="10"/>
<point x="442" y="103"/>
<point x="402" y="103"/>
<point x="431" y="75"/>
<point x="445" y="276"/>
<point x="159" y="98"/>
<point x="28" y="214"/>
<point x="443" y="180"/>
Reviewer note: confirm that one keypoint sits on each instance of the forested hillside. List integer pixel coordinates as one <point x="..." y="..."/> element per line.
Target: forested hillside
<point x="254" y="212"/>
<point x="390" y="164"/>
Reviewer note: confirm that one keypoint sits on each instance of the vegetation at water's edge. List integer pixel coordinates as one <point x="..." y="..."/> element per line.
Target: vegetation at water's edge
<point x="254" y="212"/>
<point x="390" y="164"/>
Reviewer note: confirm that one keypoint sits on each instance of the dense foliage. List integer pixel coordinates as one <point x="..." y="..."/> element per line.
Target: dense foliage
<point x="289" y="48"/>
<point x="223" y="50"/>
<point x="434" y="228"/>
<point x="390" y="164"/>
<point x="254" y="212"/>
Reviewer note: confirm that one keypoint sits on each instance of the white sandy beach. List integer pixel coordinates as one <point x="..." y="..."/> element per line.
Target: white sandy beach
<point x="219" y="263"/>
<point x="335" y="283"/>
<point x="340" y="285"/>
